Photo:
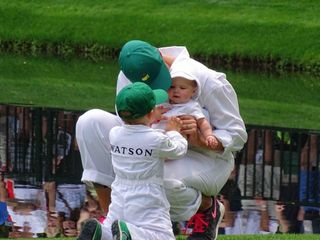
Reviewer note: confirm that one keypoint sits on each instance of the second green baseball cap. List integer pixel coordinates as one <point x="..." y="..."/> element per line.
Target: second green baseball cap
<point x="138" y="99"/>
<point x="142" y="62"/>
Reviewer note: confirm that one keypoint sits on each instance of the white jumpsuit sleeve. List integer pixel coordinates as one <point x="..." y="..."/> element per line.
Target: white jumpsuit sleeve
<point x="173" y="146"/>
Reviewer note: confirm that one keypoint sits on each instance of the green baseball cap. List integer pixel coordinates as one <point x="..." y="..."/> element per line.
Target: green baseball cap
<point x="138" y="99"/>
<point x="142" y="62"/>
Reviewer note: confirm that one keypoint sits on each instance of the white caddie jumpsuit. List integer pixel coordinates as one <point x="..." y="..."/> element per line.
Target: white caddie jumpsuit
<point x="138" y="196"/>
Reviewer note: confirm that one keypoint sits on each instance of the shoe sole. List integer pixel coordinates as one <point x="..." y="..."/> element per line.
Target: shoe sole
<point x="90" y="231"/>
<point x="222" y="210"/>
<point x="117" y="231"/>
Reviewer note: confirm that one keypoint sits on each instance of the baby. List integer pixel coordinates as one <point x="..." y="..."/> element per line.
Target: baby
<point x="182" y="95"/>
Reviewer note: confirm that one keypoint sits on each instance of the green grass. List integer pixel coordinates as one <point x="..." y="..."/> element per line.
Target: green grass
<point x="282" y="31"/>
<point x="75" y="85"/>
<point x="285" y="32"/>
<point x="288" y="100"/>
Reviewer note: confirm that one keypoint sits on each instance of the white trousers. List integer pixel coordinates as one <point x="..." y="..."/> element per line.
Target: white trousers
<point x="92" y="133"/>
<point x="186" y="179"/>
<point x="143" y="206"/>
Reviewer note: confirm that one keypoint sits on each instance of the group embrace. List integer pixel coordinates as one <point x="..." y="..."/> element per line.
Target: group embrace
<point x="166" y="153"/>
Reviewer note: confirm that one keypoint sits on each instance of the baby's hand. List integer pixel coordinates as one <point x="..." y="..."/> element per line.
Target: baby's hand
<point x="212" y="142"/>
<point x="174" y="124"/>
<point x="158" y="114"/>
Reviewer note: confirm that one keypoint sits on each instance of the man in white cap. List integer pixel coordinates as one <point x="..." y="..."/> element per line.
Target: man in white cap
<point x="192" y="182"/>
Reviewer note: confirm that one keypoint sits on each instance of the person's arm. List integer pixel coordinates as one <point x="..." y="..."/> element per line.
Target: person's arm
<point x="220" y="100"/>
<point x="207" y="133"/>
<point x="264" y="222"/>
<point x="3" y="202"/>
<point x="195" y="138"/>
<point x="51" y="190"/>
<point x="205" y="127"/>
<point x="3" y="191"/>
<point x="173" y="144"/>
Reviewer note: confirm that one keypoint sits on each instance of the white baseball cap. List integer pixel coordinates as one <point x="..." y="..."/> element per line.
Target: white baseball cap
<point x="185" y="68"/>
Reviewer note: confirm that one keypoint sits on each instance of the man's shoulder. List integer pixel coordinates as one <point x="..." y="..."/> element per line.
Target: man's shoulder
<point x="175" y="51"/>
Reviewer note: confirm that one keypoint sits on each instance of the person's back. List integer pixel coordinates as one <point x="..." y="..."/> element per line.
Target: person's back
<point x="135" y="153"/>
<point x="138" y="190"/>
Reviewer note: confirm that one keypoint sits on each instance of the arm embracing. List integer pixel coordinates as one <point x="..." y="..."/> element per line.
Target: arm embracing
<point x="222" y="105"/>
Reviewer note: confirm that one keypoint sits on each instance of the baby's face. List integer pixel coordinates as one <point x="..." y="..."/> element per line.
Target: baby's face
<point x="181" y="90"/>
